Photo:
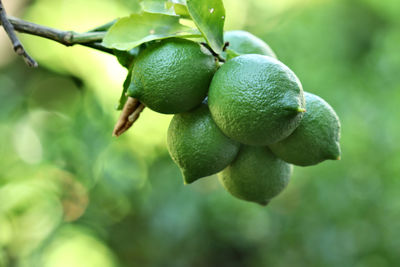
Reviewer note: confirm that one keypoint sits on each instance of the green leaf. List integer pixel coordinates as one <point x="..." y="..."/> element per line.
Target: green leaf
<point x="167" y="7"/>
<point x="134" y="6"/>
<point x="124" y="97"/>
<point x="179" y="9"/>
<point x="157" y="6"/>
<point x="137" y="29"/>
<point x="230" y="53"/>
<point x="209" y="17"/>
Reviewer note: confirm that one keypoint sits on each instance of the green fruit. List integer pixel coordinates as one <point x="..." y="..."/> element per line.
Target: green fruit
<point x="316" y="138"/>
<point x="172" y="75"/>
<point x="243" y="42"/>
<point x="198" y="146"/>
<point x="256" y="100"/>
<point x="256" y="175"/>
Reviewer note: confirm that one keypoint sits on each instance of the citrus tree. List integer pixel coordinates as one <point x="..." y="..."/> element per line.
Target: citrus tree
<point x="238" y="110"/>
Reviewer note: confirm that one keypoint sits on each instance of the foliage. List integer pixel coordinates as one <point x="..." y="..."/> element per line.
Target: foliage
<point x="67" y="189"/>
<point x="209" y="17"/>
<point x="148" y="27"/>
<point x="157" y="20"/>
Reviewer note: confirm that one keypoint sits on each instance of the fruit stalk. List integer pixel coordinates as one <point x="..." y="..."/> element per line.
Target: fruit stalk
<point x="220" y="59"/>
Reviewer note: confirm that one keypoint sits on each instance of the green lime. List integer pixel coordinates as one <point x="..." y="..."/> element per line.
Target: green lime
<point x="256" y="175"/>
<point x="256" y="100"/>
<point x="316" y="138"/>
<point x="243" y="42"/>
<point x="172" y="75"/>
<point x="198" y="146"/>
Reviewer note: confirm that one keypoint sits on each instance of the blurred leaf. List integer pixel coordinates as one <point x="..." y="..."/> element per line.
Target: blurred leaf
<point x="180" y="8"/>
<point x="10" y="97"/>
<point x="124" y="97"/>
<point x="157" y="6"/>
<point x="77" y="246"/>
<point x="132" y="31"/>
<point x="230" y="53"/>
<point x="133" y="6"/>
<point x="209" y="17"/>
<point x="167" y="7"/>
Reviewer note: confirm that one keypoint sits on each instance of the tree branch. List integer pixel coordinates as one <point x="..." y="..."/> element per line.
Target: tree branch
<point x="17" y="45"/>
<point x="67" y="38"/>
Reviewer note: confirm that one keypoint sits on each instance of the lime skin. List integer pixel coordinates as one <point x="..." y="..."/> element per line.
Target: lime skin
<point x="316" y="138"/>
<point x="172" y="75"/>
<point x="256" y="175"/>
<point x="198" y="146"/>
<point x="256" y="100"/>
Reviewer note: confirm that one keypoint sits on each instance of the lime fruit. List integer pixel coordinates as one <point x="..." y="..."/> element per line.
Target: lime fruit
<point x="256" y="175"/>
<point x="256" y="100"/>
<point x="243" y="42"/>
<point x="198" y="146"/>
<point x="316" y="138"/>
<point x="172" y="75"/>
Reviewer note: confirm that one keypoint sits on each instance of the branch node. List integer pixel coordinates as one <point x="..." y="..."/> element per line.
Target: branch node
<point x="220" y="59"/>
<point x="18" y="48"/>
<point x="68" y="38"/>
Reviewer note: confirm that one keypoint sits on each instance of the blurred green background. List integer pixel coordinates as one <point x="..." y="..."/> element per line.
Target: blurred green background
<point x="72" y="196"/>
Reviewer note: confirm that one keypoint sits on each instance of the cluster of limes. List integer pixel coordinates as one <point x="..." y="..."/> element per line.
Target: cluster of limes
<point x="247" y="119"/>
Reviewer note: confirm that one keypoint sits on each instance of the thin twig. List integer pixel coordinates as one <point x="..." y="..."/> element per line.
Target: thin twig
<point x="67" y="38"/>
<point x="130" y="113"/>
<point x="17" y="45"/>
<point x="213" y="52"/>
<point x="225" y="46"/>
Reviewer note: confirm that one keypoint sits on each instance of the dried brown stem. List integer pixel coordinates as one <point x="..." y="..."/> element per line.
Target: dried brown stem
<point x="130" y="113"/>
